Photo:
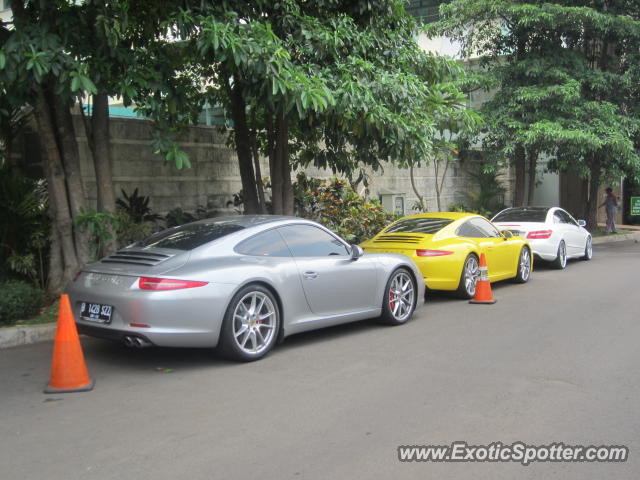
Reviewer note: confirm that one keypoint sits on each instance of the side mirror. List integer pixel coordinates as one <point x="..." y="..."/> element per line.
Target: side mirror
<point x="356" y="252"/>
<point x="507" y="234"/>
<point x="582" y="223"/>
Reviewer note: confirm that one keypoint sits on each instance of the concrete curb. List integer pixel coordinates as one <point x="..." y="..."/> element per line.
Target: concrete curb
<point x="620" y="237"/>
<point x="26" y="334"/>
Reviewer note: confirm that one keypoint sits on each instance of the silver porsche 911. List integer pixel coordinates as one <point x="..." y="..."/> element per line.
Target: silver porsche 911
<point x="241" y="284"/>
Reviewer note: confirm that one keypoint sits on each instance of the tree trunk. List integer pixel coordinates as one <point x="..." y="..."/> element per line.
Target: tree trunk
<point x="54" y="282"/>
<point x="533" y="164"/>
<point x="436" y="173"/>
<point x="274" y="168"/>
<point x="102" y="164"/>
<point x="243" y="149"/>
<point x="70" y="154"/>
<point x="282" y="149"/>
<point x="258" y="170"/>
<point x="593" y="202"/>
<point x="420" y="198"/>
<point x="62" y="221"/>
<point x="518" y="187"/>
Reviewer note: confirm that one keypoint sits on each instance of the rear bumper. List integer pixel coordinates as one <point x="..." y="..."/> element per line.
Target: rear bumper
<point x="544" y="249"/>
<point x="180" y="318"/>
<point x="108" y="333"/>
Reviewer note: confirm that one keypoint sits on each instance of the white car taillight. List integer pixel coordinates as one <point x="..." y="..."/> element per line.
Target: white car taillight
<point x="539" y="234"/>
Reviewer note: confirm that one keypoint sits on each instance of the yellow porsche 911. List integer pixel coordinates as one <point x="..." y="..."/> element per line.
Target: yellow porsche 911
<point x="446" y="246"/>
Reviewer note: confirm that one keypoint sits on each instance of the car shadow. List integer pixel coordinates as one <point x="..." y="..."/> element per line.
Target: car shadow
<point x="166" y="359"/>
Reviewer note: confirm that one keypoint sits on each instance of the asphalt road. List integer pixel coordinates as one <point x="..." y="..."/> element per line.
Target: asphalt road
<point x="555" y="360"/>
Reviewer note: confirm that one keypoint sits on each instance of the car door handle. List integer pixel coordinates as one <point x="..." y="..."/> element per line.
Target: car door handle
<point x="310" y="275"/>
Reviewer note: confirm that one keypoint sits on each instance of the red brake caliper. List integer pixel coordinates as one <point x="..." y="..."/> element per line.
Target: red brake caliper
<point x="392" y="304"/>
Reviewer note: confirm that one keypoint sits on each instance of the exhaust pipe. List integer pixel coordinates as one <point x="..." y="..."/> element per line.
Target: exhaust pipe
<point x="141" y="342"/>
<point x="137" y="342"/>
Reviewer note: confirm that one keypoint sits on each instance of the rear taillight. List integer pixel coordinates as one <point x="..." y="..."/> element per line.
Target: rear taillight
<point x="433" y="253"/>
<point x="539" y="234"/>
<point x="148" y="283"/>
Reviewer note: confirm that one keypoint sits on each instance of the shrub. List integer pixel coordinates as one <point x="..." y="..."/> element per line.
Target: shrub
<point x="338" y="207"/>
<point x="128" y="231"/>
<point x="177" y="216"/>
<point x="18" y="300"/>
<point x="137" y="206"/>
<point x="24" y="226"/>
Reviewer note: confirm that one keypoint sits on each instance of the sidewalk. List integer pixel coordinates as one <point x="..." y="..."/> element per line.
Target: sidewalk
<point x="634" y="234"/>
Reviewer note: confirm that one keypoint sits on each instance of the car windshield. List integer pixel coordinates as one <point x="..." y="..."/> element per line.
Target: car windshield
<point x="419" y="225"/>
<point x="522" y="215"/>
<point x="189" y="236"/>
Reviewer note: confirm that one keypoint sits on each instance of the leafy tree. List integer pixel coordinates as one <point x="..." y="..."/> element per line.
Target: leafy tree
<point x="336" y="84"/>
<point x="566" y="80"/>
<point x="57" y="53"/>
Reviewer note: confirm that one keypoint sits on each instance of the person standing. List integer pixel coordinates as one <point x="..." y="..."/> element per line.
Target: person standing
<point x="611" y="207"/>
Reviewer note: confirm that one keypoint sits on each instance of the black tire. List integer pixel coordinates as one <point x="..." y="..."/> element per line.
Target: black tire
<point x="588" y="250"/>
<point x="524" y="272"/>
<point x="560" y="262"/>
<point x="470" y="269"/>
<point x="261" y="323"/>
<point x="398" y="307"/>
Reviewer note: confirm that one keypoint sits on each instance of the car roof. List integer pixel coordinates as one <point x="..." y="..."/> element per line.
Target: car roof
<point x="535" y="209"/>
<point x="450" y="215"/>
<point x="246" y="220"/>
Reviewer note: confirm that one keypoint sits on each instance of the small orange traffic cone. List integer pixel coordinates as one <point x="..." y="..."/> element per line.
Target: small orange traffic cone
<point x="68" y="370"/>
<point x="483" y="286"/>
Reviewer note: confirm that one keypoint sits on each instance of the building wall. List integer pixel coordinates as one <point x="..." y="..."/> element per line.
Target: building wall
<point x="214" y="176"/>
<point x="211" y="181"/>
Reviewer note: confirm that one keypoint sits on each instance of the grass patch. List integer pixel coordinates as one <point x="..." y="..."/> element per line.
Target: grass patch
<point x="600" y="232"/>
<point x="47" y="314"/>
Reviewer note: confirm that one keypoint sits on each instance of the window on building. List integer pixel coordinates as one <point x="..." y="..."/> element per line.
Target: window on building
<point x="424" y="10"/>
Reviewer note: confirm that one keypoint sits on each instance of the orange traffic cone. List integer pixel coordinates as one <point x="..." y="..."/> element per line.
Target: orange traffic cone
<point x="68" y="370"/>
<point x="483" y="286"/>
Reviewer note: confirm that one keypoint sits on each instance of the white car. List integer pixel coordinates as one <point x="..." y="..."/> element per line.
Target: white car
<point x="553" y="234"/>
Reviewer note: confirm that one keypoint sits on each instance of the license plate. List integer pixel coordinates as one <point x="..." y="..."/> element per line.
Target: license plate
<point x="96" y="312"/>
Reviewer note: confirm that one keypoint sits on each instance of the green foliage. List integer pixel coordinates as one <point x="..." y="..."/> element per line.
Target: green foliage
<point x="18" y="300"/>
<point x="337" y="206"/>
<point x="177" y="216"/>
<point x="565" y="76"/>
<point x="100" y="227"/>
<point x="129" y="231"/>
<point x="350" y="79"/>
<point x="24" y="226"/>
<point x="488" y="198"/>
<point x="137" y="207"/>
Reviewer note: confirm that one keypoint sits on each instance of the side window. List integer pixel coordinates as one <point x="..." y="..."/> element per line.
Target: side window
<point x="467" y="229"/>
<point x="485" y="227"/>
<point x="310" y="241"/>
<point x="265" y="244"/>
<point x="566" y="218"/>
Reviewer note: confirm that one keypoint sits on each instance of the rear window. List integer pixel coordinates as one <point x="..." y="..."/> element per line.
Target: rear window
<point x="522" y="215"/>
<point x="419" y="225"/>
<point x="189" y="236"/>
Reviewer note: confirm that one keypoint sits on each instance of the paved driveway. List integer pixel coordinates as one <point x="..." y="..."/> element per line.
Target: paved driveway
<point x="554" y="360"/>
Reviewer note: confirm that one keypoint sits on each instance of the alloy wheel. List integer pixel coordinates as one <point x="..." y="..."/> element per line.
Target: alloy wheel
<point x="254" y="322"/>
<point x="401" y="296"/>
<point x="525" y="264"/>
<point x="471" y="275"/>
<point x="562" y="253"/>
